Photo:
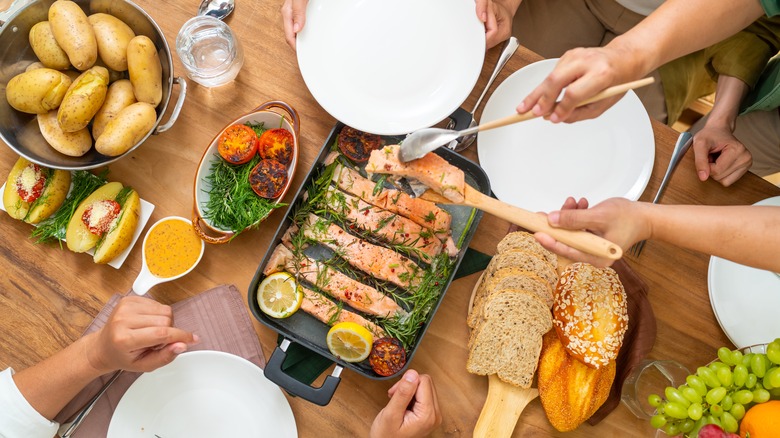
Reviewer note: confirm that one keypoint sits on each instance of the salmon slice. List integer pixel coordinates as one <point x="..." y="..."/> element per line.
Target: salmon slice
<point x="431" y="170"/>
<point x="325" y="310"/>
<point x="359" y="296"/>
<point x="386" y="225"/>
<point x="422" y="212"/>
<point x="377" y="261"/>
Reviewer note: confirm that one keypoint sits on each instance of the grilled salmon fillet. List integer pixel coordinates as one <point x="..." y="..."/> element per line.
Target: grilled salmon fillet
<point x="431" y="170"/>
<point x="422" y="212"/>
<point x="359" y="296"/>
<point x="386" y="225"/>
<point x="377" y="261"/>
<point x="325" y="310"/>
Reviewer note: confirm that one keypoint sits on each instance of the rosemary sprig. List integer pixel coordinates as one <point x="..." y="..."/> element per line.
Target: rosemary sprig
<point x="232" y="204"/>
<point x="54" y="227"/>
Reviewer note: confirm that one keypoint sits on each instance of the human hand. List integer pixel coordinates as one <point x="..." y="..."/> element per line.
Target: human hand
<point x="137" y="337"/>
<point x="583" y="73"/>
<point x="616" y="219"/>
<point x="720" y="155"/>
<point x="293" y="19"/>
<point x="413" y="409"/>
<point x="498" y="17"/>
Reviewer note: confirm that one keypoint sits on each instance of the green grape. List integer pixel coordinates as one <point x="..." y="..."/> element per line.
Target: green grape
<point x="775" y="393"/>
<point x="760" y="395"/>
<point x="687" y="425"/>
<point x="654" y="400"/>
<point x="715" y="366"/>
<point x="743" y="396"/>
<point x="694" y="411"/>
<point x="737" y="411"/>
<point x="676" y="410"/>
<point x="708" y="376"/>
<point x="724" y="354"/>
<point x="716" y="410"/>
<point x="740" y="375"/>
<point x="730" y="424"/>
<point x="658" y="421"/>
<point x="724" y="376"/>
<point x="691" y="394"/>
<point x="673" y="395"/>
<point x="736" y="357"/>
<point x="751" y="380"/>
<point x="758" y="365"/>
<point x="672" y="429"/>
<point x="715" y="395"/>
<point x="697" y="383"/>
<point x="726" y="403"/>
<point x="766" y="381"/>
<point x="714" y="420"/>
<point x="772" y="378"/>
<point x="746" y="359"/>
<point x="773" y="351"/>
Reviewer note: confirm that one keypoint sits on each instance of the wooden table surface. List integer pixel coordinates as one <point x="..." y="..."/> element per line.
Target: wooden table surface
<point x="48" y="295"/>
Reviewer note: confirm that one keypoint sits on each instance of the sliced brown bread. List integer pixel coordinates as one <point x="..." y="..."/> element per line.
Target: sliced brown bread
<point x="526" y="242"/>
<point x="525" y="260"/>
<point x="508" y="340"/>
<point x="509" y="278"/>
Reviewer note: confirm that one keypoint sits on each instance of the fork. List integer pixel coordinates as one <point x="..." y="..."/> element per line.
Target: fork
<point x="684" y="142"/>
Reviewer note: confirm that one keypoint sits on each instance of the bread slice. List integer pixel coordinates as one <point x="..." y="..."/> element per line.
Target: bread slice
<point x="508" y="340"/>
<point x="525" y="260"/>
<point x="510" y="278"/>
<point x="526" y="242"/>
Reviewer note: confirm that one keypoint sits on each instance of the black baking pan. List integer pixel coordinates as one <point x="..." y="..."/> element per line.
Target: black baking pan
<point x="304" y="329"/>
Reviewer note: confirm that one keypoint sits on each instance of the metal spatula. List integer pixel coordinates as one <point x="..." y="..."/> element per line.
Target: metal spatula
<point x="420" y="142"/>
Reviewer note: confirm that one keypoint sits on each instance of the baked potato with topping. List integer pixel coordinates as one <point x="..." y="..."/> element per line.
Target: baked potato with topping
<point x="32" y="192"/>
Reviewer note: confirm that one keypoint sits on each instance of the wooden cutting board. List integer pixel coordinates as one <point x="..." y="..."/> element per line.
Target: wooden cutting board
<point x="505" y="402"/>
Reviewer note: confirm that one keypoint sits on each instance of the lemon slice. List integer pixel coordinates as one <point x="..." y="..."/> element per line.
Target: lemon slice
<point x="279" y="295"/>
<point x="350" y="341"/>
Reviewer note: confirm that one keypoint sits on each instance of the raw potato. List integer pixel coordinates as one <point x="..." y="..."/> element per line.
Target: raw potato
<point x="126" y="129"/>
<point x="50" y="200"/>
<point x="145" y="69"/>
<point x="77" y="235"/>
<point x="73" y="144"/>
<point x="120" y="96"/>
<point x="37" y="91"/>
<point x="121" y="236"/>
<point x="83" y="99"/>
<point x="34" y="66"/>
<point x="113" y="75"/>
<point x="46" y="48"/>
<point x="73" y="33"/>
<point x="112" y="36"/>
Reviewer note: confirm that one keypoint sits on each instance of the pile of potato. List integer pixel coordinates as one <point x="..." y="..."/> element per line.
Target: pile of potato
<point x="102" y="48"/>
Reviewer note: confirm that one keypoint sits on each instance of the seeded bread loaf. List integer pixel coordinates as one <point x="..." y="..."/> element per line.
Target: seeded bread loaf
<point x="510" y="278"/>
<point x="570" y="391"/>
<point x="591" y="315"/>
<point x="526" y="242"/>
<point x="508" y="339"/>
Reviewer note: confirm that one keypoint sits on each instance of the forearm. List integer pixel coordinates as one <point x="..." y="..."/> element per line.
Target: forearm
<point x="747" y="235"/>
<point x="679" y="27"/>
<point x="52" y="383"/>
<point x="728" y="96"/>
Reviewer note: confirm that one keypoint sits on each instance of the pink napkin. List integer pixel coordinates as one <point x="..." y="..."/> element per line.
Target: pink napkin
<point x="218" y="316"/>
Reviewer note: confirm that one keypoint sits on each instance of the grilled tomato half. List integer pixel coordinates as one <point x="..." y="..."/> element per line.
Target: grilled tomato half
<point x="268" y="178"/>
<point x="237" y="144"/>
<point x="357" y="145"/>
<point x="277" y="144"/>
<point x="387" y="356"/>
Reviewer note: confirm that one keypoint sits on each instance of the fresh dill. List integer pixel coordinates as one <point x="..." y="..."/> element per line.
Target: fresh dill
<point x="54" y="227"/>
<point x="232" y="204"/>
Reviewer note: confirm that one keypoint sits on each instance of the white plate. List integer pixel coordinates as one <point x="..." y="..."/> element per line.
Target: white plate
<point x="745" y="300"/>
<point x="391" y="67"/>
<point x="146" y="213"/>
<point x="203" y="394"/>
<point x="536" y="164"/>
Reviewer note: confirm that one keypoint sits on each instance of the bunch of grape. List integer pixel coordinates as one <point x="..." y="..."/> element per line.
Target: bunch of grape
<point x="720" y="392"/>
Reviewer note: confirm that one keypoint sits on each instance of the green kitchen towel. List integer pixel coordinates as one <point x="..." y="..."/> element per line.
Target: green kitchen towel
<point x="305" y="365"/>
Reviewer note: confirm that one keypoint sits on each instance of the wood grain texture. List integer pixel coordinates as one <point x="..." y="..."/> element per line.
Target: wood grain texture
<point x="48" y="295"/>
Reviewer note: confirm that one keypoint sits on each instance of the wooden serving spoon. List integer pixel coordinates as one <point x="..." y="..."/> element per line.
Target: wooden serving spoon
<point x="581" y="240"/>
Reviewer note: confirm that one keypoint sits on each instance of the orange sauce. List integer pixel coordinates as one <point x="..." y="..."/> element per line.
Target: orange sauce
<point x="171" y="248"/>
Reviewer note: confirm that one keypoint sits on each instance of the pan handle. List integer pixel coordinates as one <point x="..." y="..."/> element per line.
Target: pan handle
<point x="13" y="8"/>
<point x="284" y="106"/>
<point x="320" y="396"/>
<point x="201" y="232"/>
<point x="177" y="108"/>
